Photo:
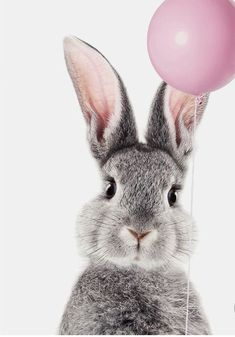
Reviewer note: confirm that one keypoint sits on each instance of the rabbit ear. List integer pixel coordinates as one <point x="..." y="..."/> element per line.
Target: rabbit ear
<point x="102" y="98"/>
<point x="172" y="120"/>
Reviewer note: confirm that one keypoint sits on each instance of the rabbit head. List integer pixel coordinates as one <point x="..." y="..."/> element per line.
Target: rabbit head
<point x="137" y="219"/>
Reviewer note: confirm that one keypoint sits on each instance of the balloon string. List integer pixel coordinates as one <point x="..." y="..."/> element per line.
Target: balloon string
<point x="197" y="101"/>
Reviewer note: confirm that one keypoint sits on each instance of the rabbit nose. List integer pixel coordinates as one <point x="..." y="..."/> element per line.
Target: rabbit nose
<point x="137" y="235"/>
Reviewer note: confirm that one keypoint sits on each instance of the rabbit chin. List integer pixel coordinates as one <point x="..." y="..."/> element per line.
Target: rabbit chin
<point x="137" y="260"/>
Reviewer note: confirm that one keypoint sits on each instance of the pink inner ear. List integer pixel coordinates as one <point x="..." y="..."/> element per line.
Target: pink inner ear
<point x="181" y="104"/>
<point x="176" y="102"/>
<point x="96" y="85"/>
<point x="95" y="82"/>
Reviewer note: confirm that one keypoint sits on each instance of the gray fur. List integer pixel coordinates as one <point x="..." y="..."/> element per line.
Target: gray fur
<point x="158" y="133"/>
<point x="122" y="292"/>
<point x="109" y="300"/>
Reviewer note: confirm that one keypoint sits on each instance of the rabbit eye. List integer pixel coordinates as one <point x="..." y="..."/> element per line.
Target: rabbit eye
<point x="110" y="189"/>
<point x="172" y="195"/>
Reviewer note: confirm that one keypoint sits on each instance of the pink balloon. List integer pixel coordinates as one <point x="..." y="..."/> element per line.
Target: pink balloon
<point x="191" y="44"/>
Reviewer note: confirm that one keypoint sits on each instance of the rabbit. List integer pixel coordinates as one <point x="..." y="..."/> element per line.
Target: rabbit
<point x="135" y="232"/>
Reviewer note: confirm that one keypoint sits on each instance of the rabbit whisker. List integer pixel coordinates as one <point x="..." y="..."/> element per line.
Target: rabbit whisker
<point x="97" y="221"/>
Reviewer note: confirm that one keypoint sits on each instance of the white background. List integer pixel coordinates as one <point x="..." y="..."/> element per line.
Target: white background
<point x="49" y="172"/>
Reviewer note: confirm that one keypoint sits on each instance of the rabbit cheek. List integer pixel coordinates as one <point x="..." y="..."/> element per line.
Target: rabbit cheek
<point x="167" y="244"/>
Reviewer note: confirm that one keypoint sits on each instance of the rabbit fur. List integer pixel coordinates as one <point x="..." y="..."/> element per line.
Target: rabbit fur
<point x="133" y="286"/>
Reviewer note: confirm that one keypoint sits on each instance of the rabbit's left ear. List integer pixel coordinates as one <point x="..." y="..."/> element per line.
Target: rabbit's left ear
<point x="102" y="97"/>
<point x="172" y="120"/>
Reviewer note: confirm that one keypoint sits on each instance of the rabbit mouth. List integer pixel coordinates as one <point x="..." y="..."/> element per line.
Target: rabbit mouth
<point x="141" y="249"/>
<point x="138" y="252"/>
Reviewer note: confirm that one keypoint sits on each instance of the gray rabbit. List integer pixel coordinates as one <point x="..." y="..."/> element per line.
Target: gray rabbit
<point x="135" y="232"/>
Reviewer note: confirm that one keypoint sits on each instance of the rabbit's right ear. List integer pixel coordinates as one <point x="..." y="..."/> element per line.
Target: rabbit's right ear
<point x="102" y="98"/>
<point x="173" y="120"/>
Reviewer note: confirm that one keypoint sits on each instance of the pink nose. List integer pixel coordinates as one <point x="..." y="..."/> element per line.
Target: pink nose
<point x="138" y="236"/>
